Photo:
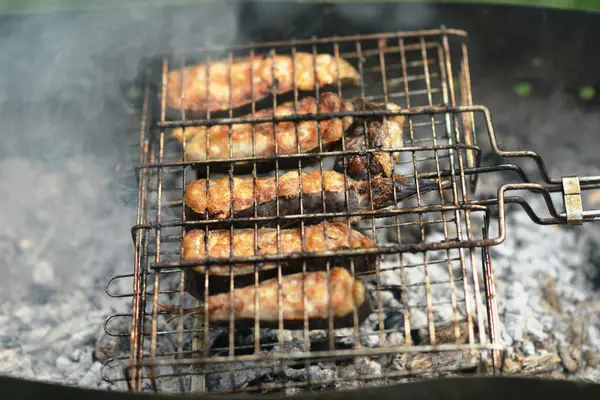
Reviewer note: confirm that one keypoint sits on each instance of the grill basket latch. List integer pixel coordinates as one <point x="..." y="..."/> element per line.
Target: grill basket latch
<point x="572" y="199"/>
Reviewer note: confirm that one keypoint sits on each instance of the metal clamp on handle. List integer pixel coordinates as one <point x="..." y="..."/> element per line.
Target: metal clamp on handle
<point x="572" y="199"/>
<point x="573" y="204"/>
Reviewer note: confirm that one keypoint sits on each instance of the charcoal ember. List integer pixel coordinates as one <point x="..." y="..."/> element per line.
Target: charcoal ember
<point x="368" y="367"/>
<point x="289" y="346"/>
<point x="430" y="363"/>
<point x="345" y="337"/>
<point x="389" y="300"/>
<point x="43" y="272"/>
<point x="419" y="362"/>
<point x="267" y="336"/>
<point x="540" y="363"/>
<point x="319" y="339"/>
<point x="570" y="357"/>
<point x="319" y="372"/>
<point x="591" y="358"/>
<point x="528" y="348"/>
<point x="244" y="374"/>
<point x="535" y="330"/>
<point x="293" y="391"/>
<point x="348" y="384"/>
<point x="449" y="333"/>
<point x="81" y="363"/>
<point x="394" y="321"/>
<point x="369" y="332"/>
<point x="109" y="346"/>
<point x="249" y="374"/>
<point x="12" y="361"/>
<point x="89" y="378"/>
<point x="41" y="293"/>
<point x="418" y="319"/>
<point x="396" y="339"/>
<point x="175" y="380"/>
<point x="591" y="375"/>
<point x="363" y="372"/>
<point x="348" y="372"/>
<point x="65" y="363"/>
<point x="515" y="296"/>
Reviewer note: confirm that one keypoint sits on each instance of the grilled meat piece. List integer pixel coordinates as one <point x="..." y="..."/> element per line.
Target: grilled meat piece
<point x="382" y="133"/>
<point x="335" y="235"/>
<point x="331" y="131"/>
<point x="217" y="202"/>
<point x="250" y="74"/>
<point x="347" y="295"/>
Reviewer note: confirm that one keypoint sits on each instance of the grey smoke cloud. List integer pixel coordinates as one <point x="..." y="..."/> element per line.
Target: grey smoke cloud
<point x="65" y="134"/>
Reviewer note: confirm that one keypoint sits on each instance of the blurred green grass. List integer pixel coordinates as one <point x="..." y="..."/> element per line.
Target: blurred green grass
<point x="27" y="6"/>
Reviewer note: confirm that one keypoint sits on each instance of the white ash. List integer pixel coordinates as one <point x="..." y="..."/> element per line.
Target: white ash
<point x="51" y="317"/>
<point x="546" y="276"/>
<point x="243" y="375"/>
<point x="525" y="269"/>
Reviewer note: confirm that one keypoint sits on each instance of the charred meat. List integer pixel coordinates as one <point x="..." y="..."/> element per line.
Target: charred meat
<point x="334" y="235"/>
<point x="217" y="199"/>
<point x="338" y="290"/>
<point x="212" y="86"/>
<point x="381" y="133"/>
<point x="284" y="135"/>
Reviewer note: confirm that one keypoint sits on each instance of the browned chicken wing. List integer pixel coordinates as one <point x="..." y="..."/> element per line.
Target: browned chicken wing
<point x="307" y="134"/>
<point x="250" y="74"/>
<point x="334" y="235"/>
<point x="220" y="199"/>
<point x="347" y="295"/>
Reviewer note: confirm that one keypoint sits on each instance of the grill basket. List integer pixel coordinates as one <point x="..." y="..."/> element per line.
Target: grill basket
<point x="430" y="291"/>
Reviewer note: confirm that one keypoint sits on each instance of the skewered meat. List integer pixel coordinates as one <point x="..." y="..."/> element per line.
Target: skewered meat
<point x="334" y="235"/>
<point x="384" y="133"/>
<point x="250" y="74"/>
<point x="217" y="202"/>
<point x="331" y="130"/>
<point x="347" y="295"/>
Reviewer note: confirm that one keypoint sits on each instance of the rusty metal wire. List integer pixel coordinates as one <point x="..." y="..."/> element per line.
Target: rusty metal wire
<point x="415" y="70"/>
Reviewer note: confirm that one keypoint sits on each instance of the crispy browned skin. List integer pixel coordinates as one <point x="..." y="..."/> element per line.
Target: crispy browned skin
<point x="331" y="130"/>
<point x="347" y="295"/>
<point x="381" y="133"/>
<point x="216" y="202"/>
<point x="334" y="235"/>
<point x="259" y="71"/>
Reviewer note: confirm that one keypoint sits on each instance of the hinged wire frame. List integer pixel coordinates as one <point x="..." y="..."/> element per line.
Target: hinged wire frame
<point x="440" y="233"/>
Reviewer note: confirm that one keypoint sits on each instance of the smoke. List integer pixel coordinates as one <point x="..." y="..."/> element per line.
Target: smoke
<point x="69" y="137"/>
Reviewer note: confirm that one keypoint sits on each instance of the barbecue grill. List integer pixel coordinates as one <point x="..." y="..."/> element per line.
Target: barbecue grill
<point x="432" y="252"/>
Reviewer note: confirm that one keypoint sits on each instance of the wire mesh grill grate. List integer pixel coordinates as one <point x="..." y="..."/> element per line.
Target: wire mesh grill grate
<point x="430" y="290"/>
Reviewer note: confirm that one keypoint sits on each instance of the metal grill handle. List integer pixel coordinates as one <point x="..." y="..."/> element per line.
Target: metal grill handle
<point x="571" y="187"/>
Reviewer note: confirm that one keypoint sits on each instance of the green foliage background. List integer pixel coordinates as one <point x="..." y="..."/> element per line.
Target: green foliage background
<point x="25" y="6"/>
